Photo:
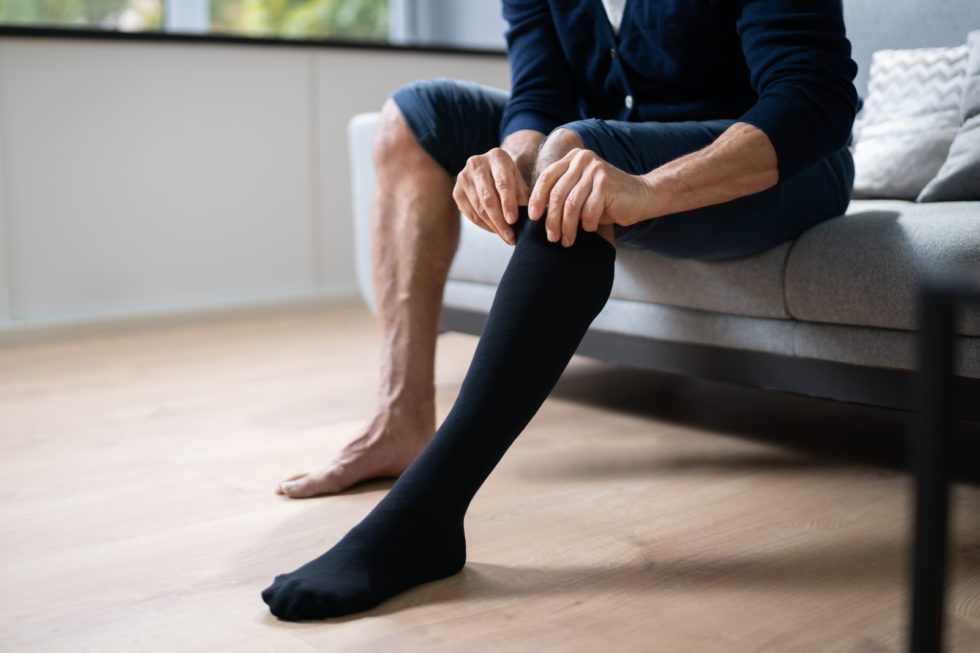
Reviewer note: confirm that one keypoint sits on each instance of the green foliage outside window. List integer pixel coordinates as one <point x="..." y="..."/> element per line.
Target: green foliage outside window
<point x="348" y="19"/>
<point x="355" y="19"/>
<point x="112" y="14"/>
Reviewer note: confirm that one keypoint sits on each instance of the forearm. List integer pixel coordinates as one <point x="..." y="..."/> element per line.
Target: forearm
<point x="740" y="162"/>
<point x="522" y="146"/>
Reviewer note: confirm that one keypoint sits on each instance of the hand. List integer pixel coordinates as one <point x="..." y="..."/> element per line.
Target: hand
<point x="488" y="191"/>
<point x="583" y="188"/>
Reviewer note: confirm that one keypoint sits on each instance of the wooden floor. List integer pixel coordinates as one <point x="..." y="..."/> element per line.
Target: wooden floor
<point x="638" y="512"/>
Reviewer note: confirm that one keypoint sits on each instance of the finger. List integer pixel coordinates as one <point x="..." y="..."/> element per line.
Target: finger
<point x="505" y="179"/>
<point x="464" y="205"/>
<point x="489" y="201"/>
<point x="559" y="192"/>
<point x="572" y="211"/>
<point x="542" y="188"/>
<point x="474" y="217"/>
<point x="594" y="207"/>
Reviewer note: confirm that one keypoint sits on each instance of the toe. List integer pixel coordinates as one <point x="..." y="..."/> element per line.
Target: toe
<point x="308" y="605"/>
<point x="269" y="594"/>
<point x="280" y="489"/>
<point x="301" y="603"/>
<point x="328" y="481"/>
<point x="282" y="599"/>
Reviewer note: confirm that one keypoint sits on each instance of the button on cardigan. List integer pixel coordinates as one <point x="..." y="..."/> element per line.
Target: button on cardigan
<point x="782" y="65"/>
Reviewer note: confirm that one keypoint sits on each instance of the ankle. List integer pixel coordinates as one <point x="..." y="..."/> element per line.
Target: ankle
<point x="401" y="423"/>
<point x="417" y="410"/>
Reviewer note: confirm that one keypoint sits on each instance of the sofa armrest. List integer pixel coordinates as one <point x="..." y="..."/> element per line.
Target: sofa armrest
<point x="360" y="134"/>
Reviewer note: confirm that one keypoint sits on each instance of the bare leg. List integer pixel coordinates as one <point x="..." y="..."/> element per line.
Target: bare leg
<point x="414" y="235"/>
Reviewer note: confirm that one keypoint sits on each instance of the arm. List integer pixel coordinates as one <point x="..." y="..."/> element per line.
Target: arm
<point x="583" y="188"/>
<point x="490" y="187"/>
<point x="741" y="161"/>
<point x="801" y="68"/>
<point x="543" y="93"/>
<point x="802" y="71"/>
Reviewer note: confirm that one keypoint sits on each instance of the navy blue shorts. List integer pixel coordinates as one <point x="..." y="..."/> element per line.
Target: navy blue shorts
<point x="454" y="120"/>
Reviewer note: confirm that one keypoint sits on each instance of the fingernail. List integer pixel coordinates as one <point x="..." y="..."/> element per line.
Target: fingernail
<point x="511" y="218"/>
<point x="565" y="242"/>
<point x="288" y="485"/>
<point x="551" y="236"/>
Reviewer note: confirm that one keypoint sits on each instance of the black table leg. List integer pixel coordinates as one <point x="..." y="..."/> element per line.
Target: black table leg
<point x="930" y="450"/>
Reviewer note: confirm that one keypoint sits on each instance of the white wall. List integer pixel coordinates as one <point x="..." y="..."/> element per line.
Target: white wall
<point x="147" y="177"/>
<point x="5" y="263"/>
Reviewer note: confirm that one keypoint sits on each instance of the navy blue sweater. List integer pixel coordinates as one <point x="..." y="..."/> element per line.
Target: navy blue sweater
<point x="782" y="65"/>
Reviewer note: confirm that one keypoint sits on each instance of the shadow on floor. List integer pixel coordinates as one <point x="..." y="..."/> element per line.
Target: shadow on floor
<point x="830" y="429"/>
<point x="866" y="563"/>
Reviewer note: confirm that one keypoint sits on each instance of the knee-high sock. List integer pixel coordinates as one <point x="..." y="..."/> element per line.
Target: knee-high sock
<point x="545" y="302"/>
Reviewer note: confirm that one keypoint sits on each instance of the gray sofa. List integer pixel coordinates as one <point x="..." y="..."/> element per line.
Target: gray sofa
<point x="831" y="314"/>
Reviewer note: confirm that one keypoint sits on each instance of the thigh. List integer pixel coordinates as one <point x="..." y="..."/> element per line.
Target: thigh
<point x="452" y="119"/>
<point x="741" y="227"/>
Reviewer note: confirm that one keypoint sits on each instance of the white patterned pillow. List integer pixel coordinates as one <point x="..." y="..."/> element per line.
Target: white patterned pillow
<point x="908" y="121"/>
<point x="959" y="178"/>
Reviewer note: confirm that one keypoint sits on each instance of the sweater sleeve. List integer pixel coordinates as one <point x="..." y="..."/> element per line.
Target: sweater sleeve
<point x="800" y="66"/>
<point x="543" y="93"/>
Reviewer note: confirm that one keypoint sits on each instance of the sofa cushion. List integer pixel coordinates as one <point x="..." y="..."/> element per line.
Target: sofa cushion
<point x="751" y="286"/>
<point x="864" y="268"/>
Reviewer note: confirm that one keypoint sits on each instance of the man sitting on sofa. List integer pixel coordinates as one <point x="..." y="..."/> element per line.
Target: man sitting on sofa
<point x="712" y="129"/>
<point x="708" y="130"/>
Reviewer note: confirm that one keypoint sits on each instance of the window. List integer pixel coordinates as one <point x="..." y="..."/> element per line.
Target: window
<point x="111" y="14"/>
<point x="453" y="23"/>
<point x="313" y="19"/>
<point x="350" y="19"/>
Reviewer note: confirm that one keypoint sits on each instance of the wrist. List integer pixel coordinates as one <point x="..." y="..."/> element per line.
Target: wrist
<point x="664" y="193"/>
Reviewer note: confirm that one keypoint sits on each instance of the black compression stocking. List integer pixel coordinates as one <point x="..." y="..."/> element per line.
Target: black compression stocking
<point x="547" y="298"/>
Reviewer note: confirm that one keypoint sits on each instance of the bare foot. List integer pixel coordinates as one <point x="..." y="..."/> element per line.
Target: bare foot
<point x="385" y="448"/>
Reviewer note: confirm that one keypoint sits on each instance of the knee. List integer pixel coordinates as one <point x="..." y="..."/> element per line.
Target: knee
<point x="393" y="139"/>
<point x="559" y="142"/>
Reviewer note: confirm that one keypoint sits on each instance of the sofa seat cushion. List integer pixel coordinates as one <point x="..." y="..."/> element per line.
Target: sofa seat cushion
<point x="751" y="286"/>
<point x="864" y="268"/>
